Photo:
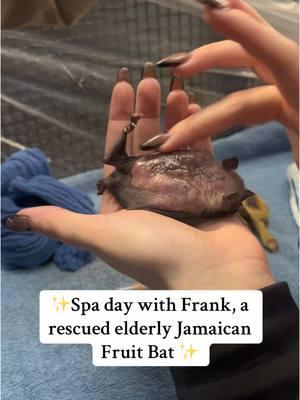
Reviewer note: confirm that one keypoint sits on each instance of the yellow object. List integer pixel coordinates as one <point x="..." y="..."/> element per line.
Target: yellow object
<point x="256" y="213"/>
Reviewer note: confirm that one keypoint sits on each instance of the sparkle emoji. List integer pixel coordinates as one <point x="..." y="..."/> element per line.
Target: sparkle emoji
<point x="61" y="304"/>
<point x="190" y="351"/>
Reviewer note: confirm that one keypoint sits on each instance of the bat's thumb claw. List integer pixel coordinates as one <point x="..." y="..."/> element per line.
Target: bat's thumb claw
<point x="136" y="117"/>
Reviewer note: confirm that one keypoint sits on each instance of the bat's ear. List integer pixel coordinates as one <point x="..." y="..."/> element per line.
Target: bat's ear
<point x="231" y="202"/>
<point x="230" y="164"/>
<point x="232" y="198"/>
<point x="247" y="194"/>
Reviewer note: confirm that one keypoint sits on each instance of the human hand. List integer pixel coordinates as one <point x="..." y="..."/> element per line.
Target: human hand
<point x="255" y="44"/>
<point x="155" y="250"/>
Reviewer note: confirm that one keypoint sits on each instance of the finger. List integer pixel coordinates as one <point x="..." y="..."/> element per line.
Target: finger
<point x="128" y="241"/>
<point x="224" y="54"/>
<point x="264" y="43"/>
<point x="252" y="106"/>
<point x="121" y="108"/>
<point x="179" y="106"/>
<point x="148" y="104"/>
<point x="202" y="143"/>
<point x="176" y="103"/>
<point x="193" y="108"/>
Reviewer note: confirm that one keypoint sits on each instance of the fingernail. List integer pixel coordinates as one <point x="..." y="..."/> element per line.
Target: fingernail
<point x="173" y="60"/>
<point x="17" y="223"/>
<point x="123" y="75"/>
<point x="177" y="83"/>
<point x="192" y="98"/>
<point x="219" y="4"/>
<point x="148" y="71"/>
<point x="155" y="142"/>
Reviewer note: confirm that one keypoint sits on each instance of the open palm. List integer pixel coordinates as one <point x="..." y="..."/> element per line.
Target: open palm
<point x="155" y="250"/>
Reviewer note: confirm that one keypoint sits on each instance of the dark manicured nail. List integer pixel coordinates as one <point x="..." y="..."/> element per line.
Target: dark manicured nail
<point x="148" y="71"/>
<point x="123" y="75"/>
<point x="155" y="142"/>
<point x="17" y="223"/>
<point x="192" y="98"/>
<point x="173" y="60"/>
<point x="219" y="4"/>
<point x="177" y="83"/>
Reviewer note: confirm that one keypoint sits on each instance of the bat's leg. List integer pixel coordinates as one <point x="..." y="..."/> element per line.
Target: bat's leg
<point x="118" y="150"/>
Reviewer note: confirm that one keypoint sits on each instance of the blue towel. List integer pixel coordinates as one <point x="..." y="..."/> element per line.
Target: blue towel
<point x="252" y="143"/>
<point x="26" y="182"/>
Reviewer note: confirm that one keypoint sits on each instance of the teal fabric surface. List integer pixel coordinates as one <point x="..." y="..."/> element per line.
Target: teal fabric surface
<point x="34" y="371"/>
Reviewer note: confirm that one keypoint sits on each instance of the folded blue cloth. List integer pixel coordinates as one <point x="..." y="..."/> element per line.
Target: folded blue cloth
<point x="26" y="163"/>
<point x="260" y="141"/>
<point x="26" y="182"/>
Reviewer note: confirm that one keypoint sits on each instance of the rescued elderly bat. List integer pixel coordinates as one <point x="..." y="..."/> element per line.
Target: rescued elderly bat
<point x="187" y="185"/>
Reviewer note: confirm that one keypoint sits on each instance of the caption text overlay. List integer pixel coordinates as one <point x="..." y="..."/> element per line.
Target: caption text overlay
<point x="150" y="328"/>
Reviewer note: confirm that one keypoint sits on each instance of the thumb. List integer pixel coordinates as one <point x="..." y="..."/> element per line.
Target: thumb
<point x="126" y="240"/>
<point x="63" y="225"/>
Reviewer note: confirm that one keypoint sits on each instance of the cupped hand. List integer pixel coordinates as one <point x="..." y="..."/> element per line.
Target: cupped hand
<point x="252" y="43"/>
<point x="155" y="250"/>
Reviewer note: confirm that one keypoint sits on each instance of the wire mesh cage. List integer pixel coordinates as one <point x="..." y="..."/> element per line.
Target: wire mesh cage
<point x="57" y="82"/>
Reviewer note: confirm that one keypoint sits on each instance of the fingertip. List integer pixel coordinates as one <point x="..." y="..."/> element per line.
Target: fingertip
<point x="122" y="101"/>
<point x="177" y="102"/>
<point x="148" y="97"/>
<point x="176" y="107"/>
<point x="123" y="75"/>
<point x="148" y="84"/>
<point x="188" y="67"/>
<point x="193" y="108"/>
<point x="167" y="147"/>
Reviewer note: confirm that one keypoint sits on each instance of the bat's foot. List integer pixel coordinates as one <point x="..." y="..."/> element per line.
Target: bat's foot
<point x="133" y="123"/>
<point x="100" y="187"/>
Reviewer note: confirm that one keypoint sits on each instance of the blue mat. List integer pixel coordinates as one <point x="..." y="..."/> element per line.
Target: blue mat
<point x="33" y="371"/>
